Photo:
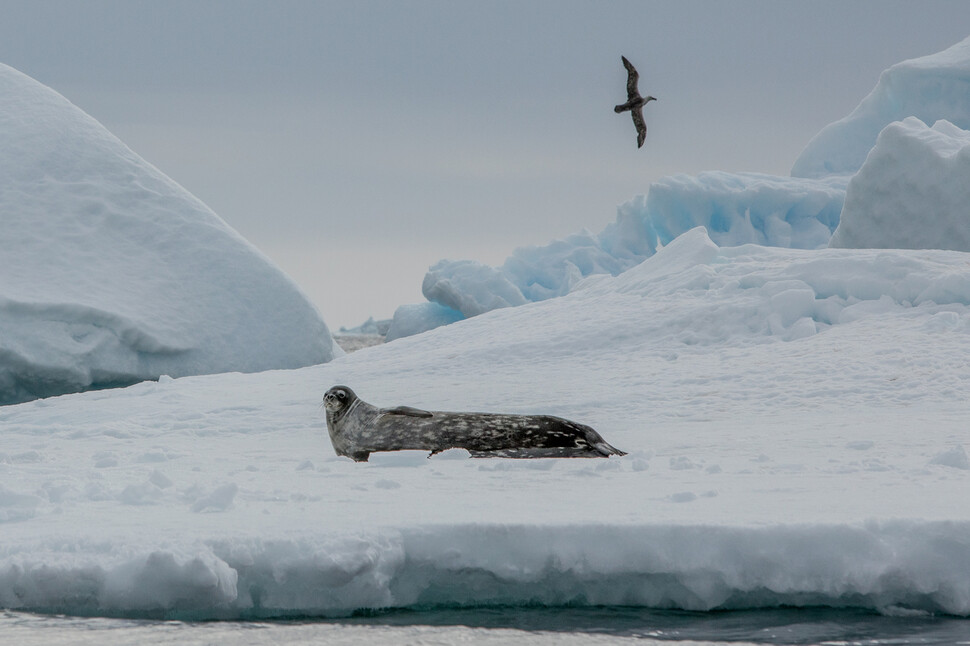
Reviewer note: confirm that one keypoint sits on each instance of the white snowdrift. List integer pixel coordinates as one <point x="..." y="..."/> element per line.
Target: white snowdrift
<point x="913" y="192"/>
<point x="112" y="273"/>
<point x="795" y="422"/>
<point x="929" y="88"/>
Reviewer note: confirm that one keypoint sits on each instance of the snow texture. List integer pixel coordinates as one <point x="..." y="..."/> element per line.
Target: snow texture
<point x="913" y="191"/>
<point x="955" y="458"/>
<point x="795" y="421"/>
<point x="930" y="88"/>
<point x="736" y="208"/>
<point x="112" y="273"/>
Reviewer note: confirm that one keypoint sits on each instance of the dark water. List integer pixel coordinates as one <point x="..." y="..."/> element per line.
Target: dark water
<point x="776" y="626"/>
<point x="491" y="625"/>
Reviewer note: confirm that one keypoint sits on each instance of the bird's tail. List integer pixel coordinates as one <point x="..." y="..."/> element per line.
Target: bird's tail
<point x="621" y="108"/>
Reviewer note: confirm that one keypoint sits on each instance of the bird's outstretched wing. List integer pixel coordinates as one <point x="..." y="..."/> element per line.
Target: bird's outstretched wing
<point x="641" y="126"/>
<point x="631" y="80"/>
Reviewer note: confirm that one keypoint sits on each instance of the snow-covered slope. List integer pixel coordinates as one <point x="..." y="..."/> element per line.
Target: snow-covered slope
<point x="112" y="273"/>
<point x="796" y="422"/>
<point x="913" y="192"/>
<point x="929" y="88"/>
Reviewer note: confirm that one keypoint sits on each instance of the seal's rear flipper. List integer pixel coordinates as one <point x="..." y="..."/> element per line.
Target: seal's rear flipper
<point x="607" y="450"/>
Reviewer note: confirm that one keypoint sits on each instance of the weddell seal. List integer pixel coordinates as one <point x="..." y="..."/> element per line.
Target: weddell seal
<point x="358" y="429"/>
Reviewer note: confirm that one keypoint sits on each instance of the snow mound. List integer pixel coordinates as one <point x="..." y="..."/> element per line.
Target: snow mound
<point x="912" y="192"/>
<point x="734" y="208"/>
<point x="112" y="273"/>
<point x="955" y="458"/>
<point x="795" y="298"/>
<point x="930" y="88"/>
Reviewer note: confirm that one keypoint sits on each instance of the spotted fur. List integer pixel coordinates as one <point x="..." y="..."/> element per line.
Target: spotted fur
<point x="358" y="429"/>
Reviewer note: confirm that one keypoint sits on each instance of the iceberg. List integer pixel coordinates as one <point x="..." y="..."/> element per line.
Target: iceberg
<point x="796" y="421"/>
<point x="746" y="208"/>
<point x="470" y="287"/>
<point x="420" y="317"/>
<point x="929" y="88"/>
<point x="112" y="273"/>
<point x="735" y="208"/>
<point x="370" y="326"/>
<point x="801" y="211"/>
<point x="912" y="192"/>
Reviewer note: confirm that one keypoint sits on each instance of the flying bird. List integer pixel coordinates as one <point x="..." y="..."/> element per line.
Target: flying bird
<point x="634" y="102"/>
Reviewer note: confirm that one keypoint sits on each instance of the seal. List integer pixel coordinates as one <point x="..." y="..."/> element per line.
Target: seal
<point x="358" y="429"/>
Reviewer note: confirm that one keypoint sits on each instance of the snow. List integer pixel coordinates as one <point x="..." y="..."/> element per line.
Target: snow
<point x="736" y="208"/>
<point x="912" y="192"/>
<point x="796" y="422"/>
<point x="929" y="88"/>
<point x="112" y="273"/>
<point x="955" y="457"/>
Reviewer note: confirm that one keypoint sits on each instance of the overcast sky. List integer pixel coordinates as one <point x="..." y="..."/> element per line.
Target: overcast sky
<point x="357" y="143"/>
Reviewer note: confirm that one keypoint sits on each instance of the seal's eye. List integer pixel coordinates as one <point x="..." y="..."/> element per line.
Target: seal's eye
<point x="341" y="394"/>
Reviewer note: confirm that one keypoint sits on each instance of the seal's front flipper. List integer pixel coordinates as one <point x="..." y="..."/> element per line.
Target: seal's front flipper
<point x="407" y="411"/>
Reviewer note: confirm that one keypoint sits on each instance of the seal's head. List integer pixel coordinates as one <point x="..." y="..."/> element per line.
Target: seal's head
<point x="338" y="398"/>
